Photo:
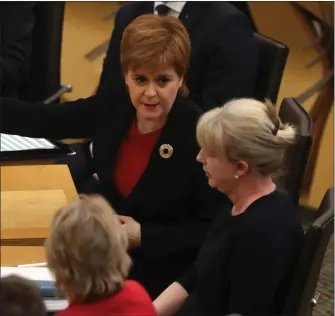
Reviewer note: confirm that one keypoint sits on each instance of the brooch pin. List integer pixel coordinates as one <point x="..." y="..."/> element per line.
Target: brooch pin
<point x="166" y="151"/>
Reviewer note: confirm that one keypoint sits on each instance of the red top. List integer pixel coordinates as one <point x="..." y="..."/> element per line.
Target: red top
<point x="132" y="300"/>
<point x="133" y="158"/>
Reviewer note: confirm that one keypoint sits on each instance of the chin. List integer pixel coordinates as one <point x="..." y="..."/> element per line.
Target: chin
<point x="212" y="184"/>
<point x="150" y="113"/>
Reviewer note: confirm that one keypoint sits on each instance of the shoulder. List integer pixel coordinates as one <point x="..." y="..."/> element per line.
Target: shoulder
<point x="139" y="296"/>
<point x="132" y="10"/>
<point x="186" y="108"/>
<point x="135" y="289"/>
<point x="183" y="119"/>
<point x="223" y="13"/>
<point x="271" y="217"/>
<point x="224" y="9"/>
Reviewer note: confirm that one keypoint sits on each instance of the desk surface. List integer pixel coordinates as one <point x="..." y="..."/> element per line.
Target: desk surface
<point x="30" y="178"/>
<point x="38" y="177"/>
<point x="15" y="255"/>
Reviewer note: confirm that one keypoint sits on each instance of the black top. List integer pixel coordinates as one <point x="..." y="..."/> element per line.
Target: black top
<point x="224" y="56"/>
<point x="172" y="199"/>
<point x="246" y="260"/>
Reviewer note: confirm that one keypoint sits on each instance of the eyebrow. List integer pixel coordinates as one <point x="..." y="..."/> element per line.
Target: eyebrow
<point x="164" y="75"/>
<point x="159" y="75"/>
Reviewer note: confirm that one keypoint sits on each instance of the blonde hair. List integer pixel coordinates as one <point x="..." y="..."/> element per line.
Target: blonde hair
<point x="87" y="248"/>
<point x="247" y="130"/>
<point x="157" y="41"/>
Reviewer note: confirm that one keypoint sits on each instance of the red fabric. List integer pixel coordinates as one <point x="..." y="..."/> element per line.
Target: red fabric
<point x="132" y="300"/>
<point x="133" y="158"/>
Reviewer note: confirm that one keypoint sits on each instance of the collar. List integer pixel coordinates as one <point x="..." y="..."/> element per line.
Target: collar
<point x="176" y="6"/>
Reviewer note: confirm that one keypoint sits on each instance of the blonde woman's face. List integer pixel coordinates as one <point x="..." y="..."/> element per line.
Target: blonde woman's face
<point x="219" y="171"/>
<point x="153" y="91"/>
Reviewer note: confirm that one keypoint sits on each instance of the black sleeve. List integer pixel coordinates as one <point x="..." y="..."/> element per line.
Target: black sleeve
<point x="232" y="63"/>
<point x="176" y="238"/>
<point x="261" y="258"/>
<point x="16" y="39"/>
<point x="112" y="76"/>
<point x="189" y="279"/>
<point x="56" y="121"/>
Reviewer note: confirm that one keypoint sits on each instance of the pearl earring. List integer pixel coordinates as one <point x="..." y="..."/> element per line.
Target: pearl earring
<point x="236" y="176"/>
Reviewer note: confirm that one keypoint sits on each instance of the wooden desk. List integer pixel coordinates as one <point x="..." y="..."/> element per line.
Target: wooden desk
<point x="37" y="183"/>
<point x="38" y="177"/>
<point x="15" y="255"/>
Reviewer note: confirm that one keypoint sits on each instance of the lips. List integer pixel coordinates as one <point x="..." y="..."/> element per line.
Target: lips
<point x="151" y="105"/>
<point x="207" y="174"/>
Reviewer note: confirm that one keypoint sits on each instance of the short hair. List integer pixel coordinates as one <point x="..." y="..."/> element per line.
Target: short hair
<point x="156" y="41"/>
<point x="87" y="248"/>
<point x="20" y="297"/>
<point x="247" y="130"/>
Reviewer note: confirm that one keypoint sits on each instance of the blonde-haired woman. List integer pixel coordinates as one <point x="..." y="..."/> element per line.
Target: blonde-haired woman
<point x="87" y="253"/>
<point x="245" y="264"/>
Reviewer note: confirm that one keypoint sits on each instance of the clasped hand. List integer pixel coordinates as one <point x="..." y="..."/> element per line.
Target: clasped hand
<point x="133" y="230"/>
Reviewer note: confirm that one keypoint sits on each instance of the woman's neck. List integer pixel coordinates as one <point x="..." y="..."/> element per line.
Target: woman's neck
<point x="148" y="126"/>
<point x="248" y="190"/>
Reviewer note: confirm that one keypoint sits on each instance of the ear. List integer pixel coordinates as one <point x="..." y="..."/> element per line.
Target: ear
<point x="126" y="78"/>
<point x="181" y="81"/>
<point x="242" y="168"/>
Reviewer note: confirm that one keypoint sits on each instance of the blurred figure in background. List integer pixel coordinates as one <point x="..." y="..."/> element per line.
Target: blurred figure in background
<point x="20" y="297"/>
<point x="16" y="41"/>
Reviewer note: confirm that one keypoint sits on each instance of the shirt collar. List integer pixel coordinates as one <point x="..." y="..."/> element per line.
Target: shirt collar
<point x="176" y="6"/>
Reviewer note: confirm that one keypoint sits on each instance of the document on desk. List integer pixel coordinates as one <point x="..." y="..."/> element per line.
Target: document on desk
<point x="16" y="148"/>
<point x="18" y="143"/>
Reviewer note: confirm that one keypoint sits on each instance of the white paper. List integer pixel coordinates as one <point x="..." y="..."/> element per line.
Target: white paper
<point x="35" y="273"/>
<point x="55" y="305"/>
<point x="32" y="265"/>
<point x="16" y="143"/>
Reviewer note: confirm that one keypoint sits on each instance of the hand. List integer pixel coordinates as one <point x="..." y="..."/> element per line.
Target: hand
<point x="133" y="230"/>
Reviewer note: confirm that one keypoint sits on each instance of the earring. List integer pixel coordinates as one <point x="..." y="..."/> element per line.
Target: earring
<point x="236" y="176"/>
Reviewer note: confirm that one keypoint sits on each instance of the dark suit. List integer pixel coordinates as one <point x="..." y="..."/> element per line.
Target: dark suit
<point x="172" y="200"/>
<point x="16" y="41"/>
<point x="224" y="59"/>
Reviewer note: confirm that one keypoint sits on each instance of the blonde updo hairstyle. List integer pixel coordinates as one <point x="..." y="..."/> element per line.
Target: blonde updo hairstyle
<point x="247" y="130"/>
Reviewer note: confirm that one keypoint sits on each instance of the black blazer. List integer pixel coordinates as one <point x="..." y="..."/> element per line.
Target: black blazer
<point x="224" y="58"/>
<point x="172" y="200"/>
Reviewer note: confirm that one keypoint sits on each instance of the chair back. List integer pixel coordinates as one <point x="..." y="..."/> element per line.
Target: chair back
<point x="297" y="155"/>
<point x="44" y="78"/>
<point x="307" y="271"/>
<point x="272" y="60"/>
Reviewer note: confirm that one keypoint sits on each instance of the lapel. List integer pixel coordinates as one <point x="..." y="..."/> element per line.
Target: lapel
<point x="114" y="129"/>
<point x="156" y="164"/>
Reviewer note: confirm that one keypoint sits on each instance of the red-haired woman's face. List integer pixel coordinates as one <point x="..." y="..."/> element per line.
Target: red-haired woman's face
<point x="153" y="91"/>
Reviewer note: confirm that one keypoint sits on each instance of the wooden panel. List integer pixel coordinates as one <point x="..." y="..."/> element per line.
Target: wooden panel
<point x="38" y="177"/>
<point x="52" y="186"/>
<point x="28" y="214"/>
<point x="11" y="256"/>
